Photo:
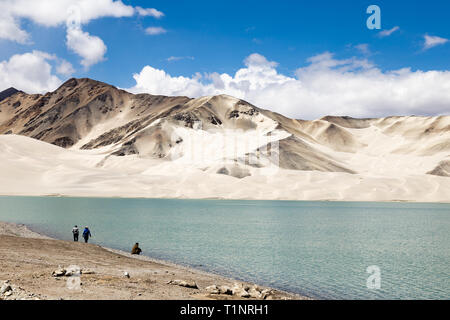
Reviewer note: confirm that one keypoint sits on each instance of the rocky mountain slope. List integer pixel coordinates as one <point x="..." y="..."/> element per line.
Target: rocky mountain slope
<point x="222" y="135"/>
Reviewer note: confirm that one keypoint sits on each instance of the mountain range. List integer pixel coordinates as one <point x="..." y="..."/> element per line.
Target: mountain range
<point x="91" y="138"/>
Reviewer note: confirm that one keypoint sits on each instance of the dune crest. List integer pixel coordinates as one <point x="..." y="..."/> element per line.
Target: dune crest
<point x="90" y="138"/>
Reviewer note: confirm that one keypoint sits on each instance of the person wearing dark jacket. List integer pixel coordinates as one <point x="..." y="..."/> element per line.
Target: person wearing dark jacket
<point x="136" y="249"/>
<point x="86" y="234"/>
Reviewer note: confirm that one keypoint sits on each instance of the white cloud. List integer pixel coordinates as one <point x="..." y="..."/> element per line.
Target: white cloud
<point x="55" y="13"/>
<point x="387" y="33"/>
<point x="363" y="48"/>
<point x="65" y="68"/>
<point x="52" y="13"/>
<point x="172" y="58"/>
<point x="30" y="72"/>
<point x="90" y="48"/>
<point x="432" y="41"/>
<point x="327" y="85"/>
<point x="10" y="29"/>
<point x="149" y="12"/>
<point x="157" y="81"/>
<point x="153" y="31"/>
<point x="257" y="60"/>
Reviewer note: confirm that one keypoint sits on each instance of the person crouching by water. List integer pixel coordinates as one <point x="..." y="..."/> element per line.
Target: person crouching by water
<point x="86" y="234"/>
<point x="75" y="233"/>
<point x="136" y="249"/>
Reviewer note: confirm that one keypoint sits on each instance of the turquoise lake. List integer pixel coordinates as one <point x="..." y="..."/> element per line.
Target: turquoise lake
<point x="318" y="249"/>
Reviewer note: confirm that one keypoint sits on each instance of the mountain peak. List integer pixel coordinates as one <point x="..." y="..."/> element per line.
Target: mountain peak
<point x="7" y="93"/>
<point x="74" y="82"/>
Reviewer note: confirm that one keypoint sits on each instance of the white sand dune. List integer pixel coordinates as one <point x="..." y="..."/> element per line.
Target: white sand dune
<point x="90" y="139"/>
<point x="32" y="167"/>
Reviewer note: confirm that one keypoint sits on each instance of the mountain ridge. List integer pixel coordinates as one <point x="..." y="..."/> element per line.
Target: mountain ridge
<point x="85" y="114"/>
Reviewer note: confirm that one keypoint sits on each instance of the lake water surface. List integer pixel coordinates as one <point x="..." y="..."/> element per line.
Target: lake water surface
<point x="318" y="249"/>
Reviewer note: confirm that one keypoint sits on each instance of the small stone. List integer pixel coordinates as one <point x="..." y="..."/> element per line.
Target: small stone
<point x="265" y="294"/>
<point x="254" y="293"/>
<point x="183" y="283"/>
<point x="213" y="289"/>
<point x="256" y="287"/>
<point x="87" y="271"/>
<point x="5" y="288"/>
<point x="126" y="274"/>
<point x="59" y="272"/>
<point x="237" y="288"/>
<point x="240" y="290"/>
<point x="225" y="290"/>
<point x="73" y="271"/>
<point x="8" y="293"/>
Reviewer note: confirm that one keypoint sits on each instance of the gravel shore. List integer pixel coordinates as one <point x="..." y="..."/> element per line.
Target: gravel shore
<point x="33" y="266"/>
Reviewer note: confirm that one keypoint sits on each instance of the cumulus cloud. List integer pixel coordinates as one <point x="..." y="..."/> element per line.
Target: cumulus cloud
<point x="387" y="33"/>
<point x="54" y="13"/>
<point x="432" y="41"/>
<point x="10" y="29"/>
<point x="326" y="85"/>
<point x="90" y="48"/>
<point x="30" y="72"/>
<point x="257" y="60"/>
<point x="153" y="31"/>
<point x="149" y="12"/>
<point x="65" y="68"/>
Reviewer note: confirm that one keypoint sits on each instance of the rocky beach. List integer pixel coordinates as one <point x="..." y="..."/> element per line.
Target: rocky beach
<point x="36" y="267"/>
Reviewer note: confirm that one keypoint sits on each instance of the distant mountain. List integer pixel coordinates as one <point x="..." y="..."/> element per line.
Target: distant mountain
<point x="7" y="93"/>
<point x="84" y="114"/>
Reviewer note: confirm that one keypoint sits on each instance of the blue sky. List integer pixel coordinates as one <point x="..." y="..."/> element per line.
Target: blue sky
<point x="216" y="36"/>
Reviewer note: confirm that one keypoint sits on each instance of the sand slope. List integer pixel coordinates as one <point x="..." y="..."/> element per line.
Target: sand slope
<point x="31" y="167"/>
<point x="91" y="139"/>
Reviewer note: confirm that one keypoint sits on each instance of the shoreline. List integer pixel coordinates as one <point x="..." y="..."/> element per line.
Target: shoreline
<point x="12" y="234"/>
<point x="216" y="199"/>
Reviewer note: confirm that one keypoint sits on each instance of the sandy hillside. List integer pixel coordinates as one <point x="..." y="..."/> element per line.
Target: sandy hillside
<point x="28" y="261"/>
<point x="91" y="139"/>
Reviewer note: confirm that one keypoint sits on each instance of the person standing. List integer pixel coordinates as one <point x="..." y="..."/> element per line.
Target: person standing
<point x="86" y="234"/>
<point x="75" y="233"/>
